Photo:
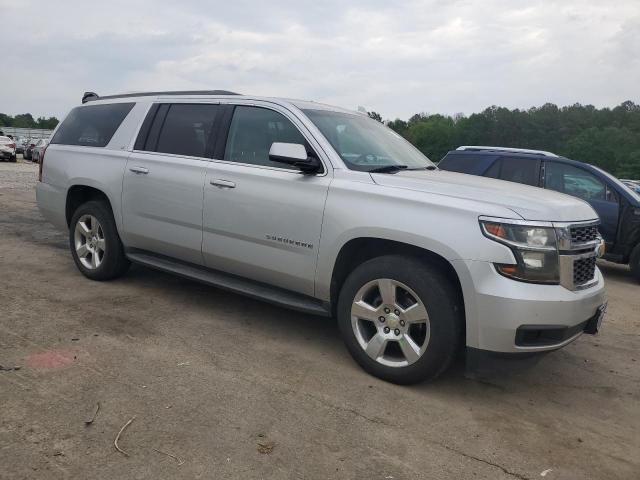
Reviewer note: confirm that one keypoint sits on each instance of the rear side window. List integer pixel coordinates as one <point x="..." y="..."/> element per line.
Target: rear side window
<point x="93" y="125"/>
<point x="181" y="129"/>
<point x="519" y="170"/>
<point x="458" y="163"/>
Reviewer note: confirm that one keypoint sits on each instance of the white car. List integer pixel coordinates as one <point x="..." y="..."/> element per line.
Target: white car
<point x="7" y="149"/>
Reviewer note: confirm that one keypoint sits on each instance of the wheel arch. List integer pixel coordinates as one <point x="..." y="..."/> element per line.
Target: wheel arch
<point x="79" y="194"/>
<point x="358" y="250"/>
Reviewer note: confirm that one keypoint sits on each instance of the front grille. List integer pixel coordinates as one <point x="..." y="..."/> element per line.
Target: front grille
<point x="584" y="234"/>
<point x="584" y="270"/>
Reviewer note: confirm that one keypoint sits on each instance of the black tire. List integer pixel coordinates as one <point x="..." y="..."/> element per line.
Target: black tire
<point x="14" y="159"/>
<point x="634" y="262"/>
<point x="114" y="262"/>
<point x="441" y="300"/>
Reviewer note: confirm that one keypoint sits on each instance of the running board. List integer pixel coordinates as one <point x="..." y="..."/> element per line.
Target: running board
<point x="232" y="283"/>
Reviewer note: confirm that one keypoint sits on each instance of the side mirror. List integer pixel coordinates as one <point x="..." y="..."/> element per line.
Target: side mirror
<point x="294" y="154"/>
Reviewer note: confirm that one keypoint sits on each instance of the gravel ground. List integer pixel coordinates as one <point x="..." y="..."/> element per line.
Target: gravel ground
<point x="221" y="386"/>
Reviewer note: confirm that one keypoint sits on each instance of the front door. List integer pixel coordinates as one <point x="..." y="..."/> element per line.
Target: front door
<point x="262" y="219"/>
<point x="164" y="181"/>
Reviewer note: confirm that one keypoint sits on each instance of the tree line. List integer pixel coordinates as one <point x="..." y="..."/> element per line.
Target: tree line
<point x="606" y="137"/>
<point x="26" y="120"/>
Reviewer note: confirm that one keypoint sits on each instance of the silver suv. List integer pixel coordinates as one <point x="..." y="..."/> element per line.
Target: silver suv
<point x="327" y="212"/>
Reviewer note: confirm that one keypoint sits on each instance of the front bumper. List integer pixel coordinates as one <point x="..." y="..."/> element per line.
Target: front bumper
<point x="498" y="308"/>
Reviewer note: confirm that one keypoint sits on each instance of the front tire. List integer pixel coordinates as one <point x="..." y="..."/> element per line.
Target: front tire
<point x="400" y="318"/>
<point x="95" y="244"/>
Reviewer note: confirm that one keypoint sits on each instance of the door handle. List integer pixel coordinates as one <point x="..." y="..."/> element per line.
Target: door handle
<point x="139" y="170"/>
<point x="221" y="183"/>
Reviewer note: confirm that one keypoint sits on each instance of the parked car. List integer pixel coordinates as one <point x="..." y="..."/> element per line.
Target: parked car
<point x="38" y="148"/>
<point x="7" y="149"/>
<point x="29" y="149"/>
<point x="20" y="144"/>
<point x="328" y="212"/>
<point x="617" y="205"/>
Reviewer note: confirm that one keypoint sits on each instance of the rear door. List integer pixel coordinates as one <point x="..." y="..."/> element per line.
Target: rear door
<point x="583" y="184"/>
<point x="262" y="219"/>
<point x="164" y="179"/>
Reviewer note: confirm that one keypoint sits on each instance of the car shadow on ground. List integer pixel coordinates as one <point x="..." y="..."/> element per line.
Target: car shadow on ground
<point x="322" y="334"/>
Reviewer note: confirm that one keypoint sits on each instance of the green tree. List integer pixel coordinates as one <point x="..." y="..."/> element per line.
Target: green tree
<point x="375" y="116"/>
<point x="608" y="138"/>
<point x="23" y="120"/>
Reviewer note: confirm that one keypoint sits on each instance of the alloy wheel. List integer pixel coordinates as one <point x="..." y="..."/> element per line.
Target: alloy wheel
<point x="89" y="242"/>
<point x="390" y="322"/>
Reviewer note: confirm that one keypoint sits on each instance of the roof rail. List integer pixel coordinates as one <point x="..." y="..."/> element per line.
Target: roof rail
<point x="507" y="149"/>
<point x="91" y="96"/>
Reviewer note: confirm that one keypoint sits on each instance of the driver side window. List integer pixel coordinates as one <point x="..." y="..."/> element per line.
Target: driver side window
<point x="574" y="181"/>
<point x="252" y="132"/>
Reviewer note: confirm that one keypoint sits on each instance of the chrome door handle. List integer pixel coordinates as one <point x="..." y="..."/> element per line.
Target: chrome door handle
<point x="220" y="183"/>
<point x="139" y="170"/>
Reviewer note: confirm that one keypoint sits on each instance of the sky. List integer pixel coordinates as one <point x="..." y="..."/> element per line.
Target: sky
<point x="395" y="57"/>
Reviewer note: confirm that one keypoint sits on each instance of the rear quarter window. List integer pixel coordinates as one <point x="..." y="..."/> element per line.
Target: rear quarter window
<point x="458" y="163"/>
<point x="470" y="163"/>
<point x="91" y="126"/>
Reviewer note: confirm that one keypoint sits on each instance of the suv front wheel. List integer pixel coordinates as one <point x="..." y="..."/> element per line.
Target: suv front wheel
<point x="95" y="244"/>
<point x="400" y="319"/>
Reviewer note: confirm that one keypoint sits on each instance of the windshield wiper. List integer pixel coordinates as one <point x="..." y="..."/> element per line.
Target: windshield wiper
<point x="388" y="169"/>
<point x="429" y="167"/>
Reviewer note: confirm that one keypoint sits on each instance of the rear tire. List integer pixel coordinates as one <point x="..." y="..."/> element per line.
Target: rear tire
<point x="634" y="262"/>
<point x="95" y="244"/>
<point x="400" y="318"/>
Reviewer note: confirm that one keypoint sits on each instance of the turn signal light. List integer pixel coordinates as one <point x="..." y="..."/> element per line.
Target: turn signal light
<point x="495" y="229"/>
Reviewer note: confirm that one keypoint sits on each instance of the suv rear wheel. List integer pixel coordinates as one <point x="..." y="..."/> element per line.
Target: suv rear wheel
<point x="400" y="319"/>
<point x="95" y="244"/>
<point x="634" y="262"/>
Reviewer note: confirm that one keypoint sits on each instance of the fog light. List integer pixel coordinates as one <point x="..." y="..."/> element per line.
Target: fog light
<point x="533" y="259"/>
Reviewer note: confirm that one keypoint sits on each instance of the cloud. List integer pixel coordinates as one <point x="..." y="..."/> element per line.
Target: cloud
<point x="397" y="58"/>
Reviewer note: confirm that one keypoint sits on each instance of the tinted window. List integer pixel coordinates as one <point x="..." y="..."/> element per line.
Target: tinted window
<point x="458" y="163"/>
<point x="252" y="132"/>
<point x="185" y="130"/>
<point x="520" y="170"/>
<point x="574" y="181"/>
<point x="92" y="126"/>
<point x="494" y="170"/>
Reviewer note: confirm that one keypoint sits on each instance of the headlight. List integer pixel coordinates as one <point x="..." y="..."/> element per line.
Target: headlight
<point x="534" y="247"/>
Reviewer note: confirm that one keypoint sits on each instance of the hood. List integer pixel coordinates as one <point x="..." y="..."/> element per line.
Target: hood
<point x="531" y="203"/>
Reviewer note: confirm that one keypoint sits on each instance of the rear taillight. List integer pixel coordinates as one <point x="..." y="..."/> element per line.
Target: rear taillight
<point x="11" y="145"/>
<point x="41" y="163"/>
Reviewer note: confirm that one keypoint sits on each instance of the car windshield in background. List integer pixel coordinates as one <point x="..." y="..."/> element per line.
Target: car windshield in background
<point x="365" y="144"/>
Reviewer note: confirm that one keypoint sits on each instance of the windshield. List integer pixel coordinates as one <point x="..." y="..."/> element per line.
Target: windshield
<point x="365" y="144"/>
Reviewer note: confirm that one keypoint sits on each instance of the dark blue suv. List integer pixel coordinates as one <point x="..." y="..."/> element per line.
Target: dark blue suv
<point x="616" y="204"/>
